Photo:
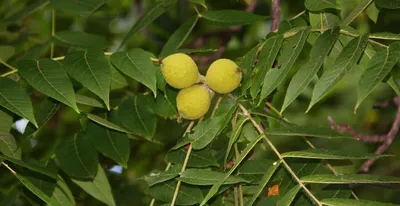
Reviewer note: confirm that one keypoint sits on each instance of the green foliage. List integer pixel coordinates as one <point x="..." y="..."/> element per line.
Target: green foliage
<point x="86" y="77"/>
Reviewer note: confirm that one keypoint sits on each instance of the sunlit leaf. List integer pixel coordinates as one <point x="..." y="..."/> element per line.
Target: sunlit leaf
<point x="308" y="131"/>
<point x="49" y="77"/>
<point x="343" y="63"/>
<point x="14" y="98"/>
<point x="291" y="50"/>
<point x="207" y="177"/>
<point x="304" y="75"/>
<point x="361" y="6"/>
<point x="266" y="60"/>
<point x="379" y="66"/>
<point x="373" y="12"/>
<point x="137" y="64"/>
<point x="330" y="154"/>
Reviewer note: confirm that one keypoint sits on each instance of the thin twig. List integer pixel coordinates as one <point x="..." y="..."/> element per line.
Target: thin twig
<point x="276" y="15"/>
<point x="240" y="190"/>
<point x="298" y="15"/>
<point x="386" y="139"/>
<point x="7" y="65"/>
<point x="288" y="168"/>
<point x="9" y="73"/>
<point x="9" y="168"/>
<point x="217" y="105"/>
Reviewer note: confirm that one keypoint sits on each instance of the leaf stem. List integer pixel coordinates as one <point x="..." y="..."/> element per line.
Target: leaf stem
<point x="308" y="143"/>
<point x="285" y="164"/>
<point x="9" y="73"/>
<point x="240" y="190"/>
<point x="7" y="65"/>
<point x="9" y="168"/>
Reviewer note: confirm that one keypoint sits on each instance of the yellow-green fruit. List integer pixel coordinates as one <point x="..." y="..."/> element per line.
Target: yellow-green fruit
<point x="223" y="76"/>
<point x="180" y="71"/>
<point x="193" y="102"/>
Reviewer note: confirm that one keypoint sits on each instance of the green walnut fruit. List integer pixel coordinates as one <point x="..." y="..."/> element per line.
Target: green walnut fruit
<point x="223" y="76"/>
<point x="180" y="71"/>
<point x="193" y="102"/>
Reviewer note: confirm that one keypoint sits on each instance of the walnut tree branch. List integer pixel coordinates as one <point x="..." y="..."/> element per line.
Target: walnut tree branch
<point x="387" y="139"/>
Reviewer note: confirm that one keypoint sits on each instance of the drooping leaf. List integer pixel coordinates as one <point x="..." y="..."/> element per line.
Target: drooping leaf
<point x="40" y="192"/>
<point x="308" y="131"/>
<point x="288" y="198"/>
<point x="77" y="157"/>
<point x="373" y="12"/>
<point x="343" y="64"/>
<point x="92" y="70"/>
<point x="8" y="146"/>
<point x="80" y="39"/>
<point x="31" y="165"/>
<point x="388" y="4"/>
<point x="187" y="195"/>
<point x="148" y="17"/>
<point x="207" y="130"/>
<point x="231" y="17"/>
<point x="234" y="136"/>
<point x="217" y="185"/>
<point x="323" y="20"/>
<point x="137" y="116"/>
<point x="345" y="202"/>
<point x="77" y="6"/>
<point x="200" y="2"/>
<point x="291" y="51"/>
<point x="316" y="5"/>
<point x="106" y="123"/>
<point x="207" y="177"/>
<point x="304" y="75"/>
<point x="5" y="121"/>
<point x="349" y="179"/>
<point x="379" y="66"/>
<point x="110" y="143"/>
<point x="98" y="187"/>
<point x="330" y="154"/>
<point x="49" y="77"/>
<point x="178" y="37"/>
<point x="198" y="158"/>
<point x="246" y="65"/>
<point x="89" y="101"/>
<point x="137" y="64"/>
<point x="14" y="98"/>
<point x="265" y="179"/>
<point x="266" y="58"/>
<point x="385" y="35"/>
<point x="25" y="11"/>
<point x="62" y="194"/>
<point x="155" y="177"/>
<point x="356" y="11"/>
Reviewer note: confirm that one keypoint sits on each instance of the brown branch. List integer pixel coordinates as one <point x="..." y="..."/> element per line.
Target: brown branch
<point x="386" y="139"/>
<point x="276" y="15"/>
